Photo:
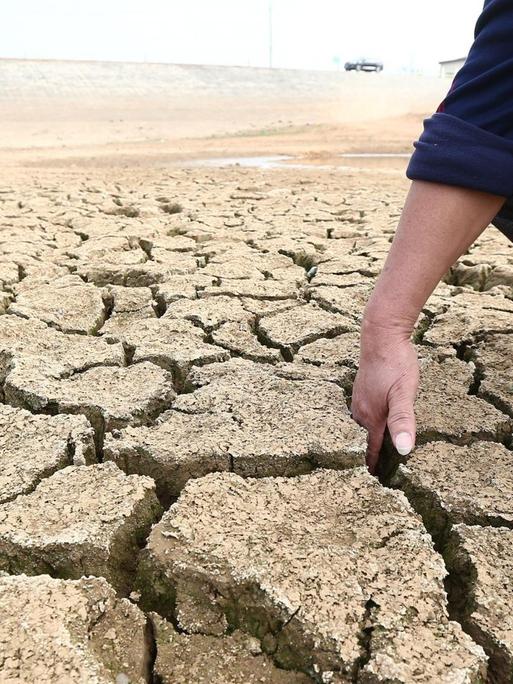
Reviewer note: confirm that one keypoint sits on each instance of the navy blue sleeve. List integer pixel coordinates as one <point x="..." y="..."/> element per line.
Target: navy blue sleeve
<point x="468" y="142"/>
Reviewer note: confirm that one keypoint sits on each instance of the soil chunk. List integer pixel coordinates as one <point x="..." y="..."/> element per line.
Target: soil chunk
<point x="451" y="484"/>
<point x="67" y="304"/>
<point x="446" y="410"/>
<point x="481" y="562"/>
<point x="493" y="358"/>
<point x="308" y="565"/>
<point x="246" y="417"/>
<point x="83" y="520"/>
<point x="56" y="631"/>
<point x="33" y="447"/>
<point x="203" y="659"/>
<point x="296" y="327"/>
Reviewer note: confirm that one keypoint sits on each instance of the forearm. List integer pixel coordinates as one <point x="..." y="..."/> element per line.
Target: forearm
<point x="437" y="225"/>
<point x="462" y="170"/>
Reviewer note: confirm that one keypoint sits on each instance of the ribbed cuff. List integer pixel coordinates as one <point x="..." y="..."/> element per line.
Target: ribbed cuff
<point x="455" y="152"/>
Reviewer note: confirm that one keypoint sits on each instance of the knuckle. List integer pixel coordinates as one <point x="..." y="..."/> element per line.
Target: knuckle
<point x="359" y="409"/>
<point x="361" y="420"/>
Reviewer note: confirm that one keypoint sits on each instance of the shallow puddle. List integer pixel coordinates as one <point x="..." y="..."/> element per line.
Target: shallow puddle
<point x="268" y="162"/>
<point x="282" y="161"/>
<point x="376" y="155"/>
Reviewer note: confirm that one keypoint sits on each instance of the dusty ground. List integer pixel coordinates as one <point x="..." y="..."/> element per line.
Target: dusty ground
<point x="182" y="490"/>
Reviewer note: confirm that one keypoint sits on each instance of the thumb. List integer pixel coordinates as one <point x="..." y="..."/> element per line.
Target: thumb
<point x="401" y="419"/>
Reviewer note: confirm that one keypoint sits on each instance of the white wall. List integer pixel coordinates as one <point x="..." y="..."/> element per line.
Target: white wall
<point x="450" y="69"/>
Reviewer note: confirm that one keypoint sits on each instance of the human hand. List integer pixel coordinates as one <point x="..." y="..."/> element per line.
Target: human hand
<point x="385" y="388"/>
<point x="437" y="225"/>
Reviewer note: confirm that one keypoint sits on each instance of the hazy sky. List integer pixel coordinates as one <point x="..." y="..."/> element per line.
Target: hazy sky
<point x="406" y="34"/>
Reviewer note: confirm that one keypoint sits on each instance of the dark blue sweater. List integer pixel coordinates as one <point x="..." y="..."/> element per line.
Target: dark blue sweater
<point x="469" y="141"/>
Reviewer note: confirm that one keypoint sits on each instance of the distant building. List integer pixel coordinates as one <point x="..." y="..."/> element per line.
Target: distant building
<point x="450" y="67"/>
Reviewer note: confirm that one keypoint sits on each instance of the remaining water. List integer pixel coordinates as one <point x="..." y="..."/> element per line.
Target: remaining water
<point x="282" y="161"/>
<point x="376" y="155"/>
<point x="270" y="162"/>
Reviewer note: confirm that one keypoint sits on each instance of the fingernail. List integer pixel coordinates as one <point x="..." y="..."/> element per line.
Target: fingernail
<point x="404" y="443"/>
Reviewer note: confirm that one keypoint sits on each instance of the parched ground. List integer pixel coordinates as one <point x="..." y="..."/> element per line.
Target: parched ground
<point x="183" y="495"/>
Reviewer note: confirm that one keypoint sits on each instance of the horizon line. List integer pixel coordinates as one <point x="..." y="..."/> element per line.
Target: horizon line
<point x="179" y="64"/>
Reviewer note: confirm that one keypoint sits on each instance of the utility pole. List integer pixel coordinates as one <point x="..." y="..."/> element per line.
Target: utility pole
<point x="270" y="34"/>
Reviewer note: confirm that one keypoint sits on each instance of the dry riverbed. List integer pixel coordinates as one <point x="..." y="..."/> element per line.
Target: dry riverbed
<point x="183" y="495"/>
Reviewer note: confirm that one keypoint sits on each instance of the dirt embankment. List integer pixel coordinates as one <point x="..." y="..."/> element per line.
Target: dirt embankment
<point x="158" y="112"/>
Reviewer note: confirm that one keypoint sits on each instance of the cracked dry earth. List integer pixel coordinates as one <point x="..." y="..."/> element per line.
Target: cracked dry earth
<point x="183" y="495"/>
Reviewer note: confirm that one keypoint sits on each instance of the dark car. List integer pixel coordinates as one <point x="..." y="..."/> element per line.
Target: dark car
<point x="364" y="65"/>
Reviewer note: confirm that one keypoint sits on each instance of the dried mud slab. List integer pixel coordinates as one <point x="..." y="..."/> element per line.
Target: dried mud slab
<point x="33" y="447"/>
<point x="500" y="275"/>
<point x="175" y="262"/>
<point x="130" y="275"/>
<point x="243" y="416"/>
<point x="182" y="287"/>
<point x="173" y="344"/>
<point x="289" y="330"/>
<point x="220" y="242"/>
<point x="349" y="301"/>
<point x="54" y="631"/>
<point x="491" y="247"/>
<point x="343" y="350"/>
<point x="169" y="243"/>
<point x="304" y="248"/>
<point x="23" y="244"/>
<point x="483" y="275"/>
<point x="120" y="260"/>
<point x="83" y="520"/>
<point x="253" y="265"/>
<point x="340" y="263"/>
<point x="127" y="304"/>
<point x="444" y="408"/>
<point x="67" y="304"/>
<point x="257" y="289"/>
<point x="493" y="360"/>
<point x="178" y="447"/>
<point x="480" y="560"/>
<point x="110" y="397"/>
<point x="321" y="279"/>
<point x="5" y="302"/>
<point x="474" y="276"/>
<point x="333" y="573"/>
<point x="94" y="226"/>
<point x="462" y="325"/>
<point x="265" y="307"/>
<point x="498" y="300"/>
<point x="339" y="375"/>
<point x="450" y="484"/>
<point x="107" y="246"/>
<point x="203" y="659"/>
<point x="210" y="312"/>
<point x="113" y="259"/>
<point x="59" y="354"/>
<point x="39" y="274"/>
<point x="9" y="274"/>
<point x="239" y="338"/>
<point x="469" y="317"/>
<point x="119" y="209"/>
